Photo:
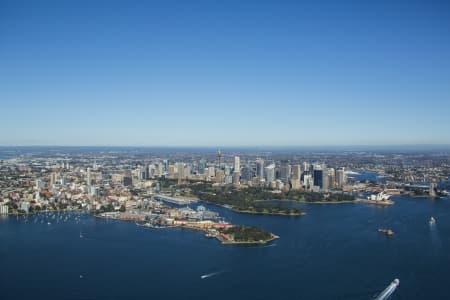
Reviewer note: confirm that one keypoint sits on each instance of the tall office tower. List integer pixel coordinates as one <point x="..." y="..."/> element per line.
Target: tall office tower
<point x="187" y="171"/>
<point x="297" y="171"/>
<point x="227" y="170"/>
<point x="236" y="177"/>
<point x="160" y="169"/>
<point x="247" y="173"/>
<point x="127" y="179"/>
<point x="88" y="179"/>
<point x="53" y="178"/>
<point x="295" y="183"/>
<point x="220" y="176"/>
<point x="269" y="173"/>
<point x="325" y="183"/>
<point x="308" y="181"/>
<point x="219" y="156"/>
<point x="237" y="170"/>
<point x="318" y="178"/>
<point x="147" y="171"/>
<point x="166" y="165"/>
<point x="331" y="178"/>
<point x="211" y="171"/>
<point x="172" y="170"/>
<point x="260" y="168"/>
<point x="142" y="173"/>
<point x="305" y="167"/>
<point x="201" y="166"/>
<point x="180" y="167"/>
<point x="285" y="172"/>
<point x="237" y="164"/>
<point x="340" y="177"/>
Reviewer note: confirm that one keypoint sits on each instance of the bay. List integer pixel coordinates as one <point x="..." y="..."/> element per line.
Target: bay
<point x="334" y="252"/>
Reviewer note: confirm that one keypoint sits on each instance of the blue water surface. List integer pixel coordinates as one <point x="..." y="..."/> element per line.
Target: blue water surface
<point x="334" y="252"/>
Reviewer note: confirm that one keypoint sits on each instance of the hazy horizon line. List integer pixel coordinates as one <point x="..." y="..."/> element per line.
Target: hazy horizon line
<point x="428" y="145"/>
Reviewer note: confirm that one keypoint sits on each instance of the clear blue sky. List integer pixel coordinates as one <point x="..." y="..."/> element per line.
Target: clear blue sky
<point x="224" y="73"/>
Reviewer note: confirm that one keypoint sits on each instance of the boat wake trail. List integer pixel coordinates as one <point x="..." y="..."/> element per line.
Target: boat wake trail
<point x="260" y="247"/>
<point x="268" y="246"/>
<point x="435" y="237"/>
<point x="211" y="274"/>
<point x="387" y="292"/>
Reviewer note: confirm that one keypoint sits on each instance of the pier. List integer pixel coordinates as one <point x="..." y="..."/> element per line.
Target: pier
<point x="172" y="200"/>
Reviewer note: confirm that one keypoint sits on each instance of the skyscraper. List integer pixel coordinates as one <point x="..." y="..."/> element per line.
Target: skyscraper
<point x="305" y="167"/>
<point x="180" y="167"/>
<point x="127" y="179"/>
<point x="147" y="171"/>
<point x="237" y="170"/>
<point x="340" y="177"/>
<point x="297" y="171"/>
<point x="219" y="156"/>
<point x="247" y="173"/>
<point x="285" y="172"/>
<point x="237" y="164"/>
<point x="236" y="177"/>
<point x="318" y="178"/>
<point x="325" y="183"/>
<point x="331" y="178"/>
<point x="260" y="168"/>
<point x="269" y="173"/>
<point x="201" y="166"/>
<point x="53" y="178"/>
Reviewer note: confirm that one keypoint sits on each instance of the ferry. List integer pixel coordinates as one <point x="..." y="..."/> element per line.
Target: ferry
<point x="387" y="232"/>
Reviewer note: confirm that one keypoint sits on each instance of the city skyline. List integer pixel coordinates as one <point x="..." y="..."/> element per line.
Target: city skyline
<point x="224" y="74"/>
<point x="238" y="149"/>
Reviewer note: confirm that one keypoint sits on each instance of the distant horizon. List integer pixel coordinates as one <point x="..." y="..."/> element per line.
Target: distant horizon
<point x="325" y="146"/>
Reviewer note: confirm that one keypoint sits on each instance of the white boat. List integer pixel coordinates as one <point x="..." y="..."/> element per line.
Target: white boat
<point x="387" y="292"/>
<point x="432" y="221"/>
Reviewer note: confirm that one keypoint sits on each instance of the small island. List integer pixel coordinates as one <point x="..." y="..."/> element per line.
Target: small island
<point x="245" y="235"/>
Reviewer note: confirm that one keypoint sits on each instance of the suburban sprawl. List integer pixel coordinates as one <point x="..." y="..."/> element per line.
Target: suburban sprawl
<point x="179" y="188"/>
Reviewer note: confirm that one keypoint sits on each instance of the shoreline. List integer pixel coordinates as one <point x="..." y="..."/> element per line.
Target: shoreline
<point x="250" y="212"/>
<point x="312" y="202"/>
<point x="273" y="238"/>
<point x="375" y="202"/>
<point x="203" y="230"/>
<point x="44" y="211"/>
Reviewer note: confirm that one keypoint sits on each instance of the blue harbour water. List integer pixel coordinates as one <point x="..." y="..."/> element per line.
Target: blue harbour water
<point x="334" y="252"/>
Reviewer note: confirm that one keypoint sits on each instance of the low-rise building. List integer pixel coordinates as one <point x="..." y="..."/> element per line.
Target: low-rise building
<point x="4" y="209"/>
